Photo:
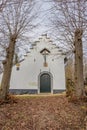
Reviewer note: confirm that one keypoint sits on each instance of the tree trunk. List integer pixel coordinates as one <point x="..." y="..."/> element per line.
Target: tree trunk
<point x="8" y="63"/>
<point x="79" y="81"/>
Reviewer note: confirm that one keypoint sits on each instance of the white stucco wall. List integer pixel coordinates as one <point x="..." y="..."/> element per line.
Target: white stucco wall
<point x="32" y="66"/>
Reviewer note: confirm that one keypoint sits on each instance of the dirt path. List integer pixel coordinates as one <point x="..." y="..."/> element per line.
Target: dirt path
<point x="41" y="113"/>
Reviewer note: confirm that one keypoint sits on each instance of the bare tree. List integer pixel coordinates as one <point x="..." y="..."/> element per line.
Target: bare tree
<point x="70" y="22"/>
<point x="17" y="20"/>
<point x="3" y="4"/>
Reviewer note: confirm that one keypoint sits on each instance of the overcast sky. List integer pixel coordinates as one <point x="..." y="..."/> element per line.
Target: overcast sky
<point x="43" y="19"/>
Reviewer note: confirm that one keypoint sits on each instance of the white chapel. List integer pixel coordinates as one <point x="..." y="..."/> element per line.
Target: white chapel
<point x="42" y="70"/>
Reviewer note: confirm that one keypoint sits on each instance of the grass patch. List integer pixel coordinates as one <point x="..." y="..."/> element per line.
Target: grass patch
<point x="40" y="95"/>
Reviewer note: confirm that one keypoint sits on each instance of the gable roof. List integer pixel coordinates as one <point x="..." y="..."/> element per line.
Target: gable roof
<point x="45" y="49"/>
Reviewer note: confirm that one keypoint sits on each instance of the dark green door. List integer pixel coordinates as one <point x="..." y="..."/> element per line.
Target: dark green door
<point x="45" y="83"/>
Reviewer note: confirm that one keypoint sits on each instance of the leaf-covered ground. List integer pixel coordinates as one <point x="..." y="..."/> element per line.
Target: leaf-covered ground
<point x="41" y="113"/>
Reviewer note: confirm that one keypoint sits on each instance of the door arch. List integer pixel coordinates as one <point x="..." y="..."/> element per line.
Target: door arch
<point x="45" y="82"/>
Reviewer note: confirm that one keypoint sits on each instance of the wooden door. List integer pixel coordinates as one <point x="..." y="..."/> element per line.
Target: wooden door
<point x="45" y="83"/>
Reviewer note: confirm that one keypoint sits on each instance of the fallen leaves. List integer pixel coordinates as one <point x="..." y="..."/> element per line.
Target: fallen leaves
<point x="41" y="113"/>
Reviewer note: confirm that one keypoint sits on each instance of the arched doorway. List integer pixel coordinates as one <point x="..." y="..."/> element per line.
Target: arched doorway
<point x="45" y="82"/>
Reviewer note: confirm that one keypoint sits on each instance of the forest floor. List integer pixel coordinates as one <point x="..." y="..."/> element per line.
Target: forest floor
<point x="42" y="113"/>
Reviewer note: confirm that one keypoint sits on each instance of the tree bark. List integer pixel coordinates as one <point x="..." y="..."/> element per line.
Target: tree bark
<point x="8" y="63"/>
<point x="79" y="81"/>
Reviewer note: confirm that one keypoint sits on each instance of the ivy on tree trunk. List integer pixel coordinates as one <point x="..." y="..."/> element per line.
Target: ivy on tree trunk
<point x="79" y="81"/>
<point x="8" y="63"/>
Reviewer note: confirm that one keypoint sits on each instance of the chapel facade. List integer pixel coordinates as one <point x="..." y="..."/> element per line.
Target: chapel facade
<point x="42" y="71"/>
